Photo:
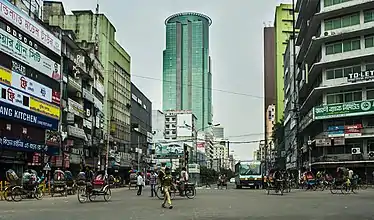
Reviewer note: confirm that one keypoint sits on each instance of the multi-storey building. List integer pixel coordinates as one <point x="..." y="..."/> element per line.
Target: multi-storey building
<point x="141" y="127"/>
<point x="335" y="83"/>
<point x="287" y="154"/>
<point x="218" y="132"/>
<point x="269" y="70"/>
<point x="187" y="76"/>
<point x="283" y="30"/>
<point x="96" y="29"/>
<point x="30" y="91"/>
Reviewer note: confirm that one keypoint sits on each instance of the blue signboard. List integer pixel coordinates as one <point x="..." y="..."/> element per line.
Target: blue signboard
<point x="21" y="145"/>
<point x="25" y="116"/>
<point x="335" y="131"/>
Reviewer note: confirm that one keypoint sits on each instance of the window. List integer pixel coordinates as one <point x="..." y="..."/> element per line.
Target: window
<point x="345" y="21"/>
<point x="328" y="3"/>
<point x="370" y="94"/>
<point x="369" y="41"/>
<point x="368" y="15"/>
<point x="343" y="46"/>
<point x="341" y="72"/>
<point x="344" y="97"/>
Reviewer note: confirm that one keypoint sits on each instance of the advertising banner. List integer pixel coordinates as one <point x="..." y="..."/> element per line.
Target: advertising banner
<point x="184" y="125"/>
<point x="344" y="110"/>
<point x="169" y="150"/>
<point x="23" y="52"/>
<point x="44" y="108"/>
<point x="19" y="99"/>
<point x="17" y="144"/>
<point x="25" y="23"/>
<point x="201" y="147"/>
<point x="25" y="84"/>
<point x="18" y="114"/>
<point x="52" y="138"/>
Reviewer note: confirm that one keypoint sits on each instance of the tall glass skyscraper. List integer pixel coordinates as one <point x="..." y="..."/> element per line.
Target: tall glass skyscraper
<point x="187" y="77"/>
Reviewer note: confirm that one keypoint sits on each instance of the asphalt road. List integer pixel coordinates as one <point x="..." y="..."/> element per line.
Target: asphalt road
<point x="209" y="204"/>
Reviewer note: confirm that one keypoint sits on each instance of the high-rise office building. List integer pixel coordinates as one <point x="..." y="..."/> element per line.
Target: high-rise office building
<point x="187" y="77"/>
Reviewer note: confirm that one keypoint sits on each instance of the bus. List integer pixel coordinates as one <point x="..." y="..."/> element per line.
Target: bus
<point x="248" y="174"/>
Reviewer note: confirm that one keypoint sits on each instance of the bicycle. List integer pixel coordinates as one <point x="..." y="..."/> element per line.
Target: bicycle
<point x="189" y="191"/>
<point x="20" y="192"/>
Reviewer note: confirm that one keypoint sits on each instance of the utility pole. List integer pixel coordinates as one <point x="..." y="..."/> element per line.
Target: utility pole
<point x="138" y="154"/>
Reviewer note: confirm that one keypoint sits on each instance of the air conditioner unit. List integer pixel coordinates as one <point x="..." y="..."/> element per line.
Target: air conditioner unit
<point x="356" y="150"/>
<point x="371" y="154"/>
<point x="328" y="33"/>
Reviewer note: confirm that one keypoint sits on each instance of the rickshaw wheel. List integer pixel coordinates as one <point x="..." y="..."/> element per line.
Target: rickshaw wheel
<point x="159" y="193"/>
<point x="107" y="193"/>
<point x="82" y="194"/>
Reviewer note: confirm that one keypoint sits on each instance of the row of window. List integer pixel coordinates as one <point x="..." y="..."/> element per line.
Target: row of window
<point x="341" y="72"/>
<point x="349" y="96"/>
<point x="348" y="20"/>
<point x="349" y="45"/>
<point x="328" y="3"/>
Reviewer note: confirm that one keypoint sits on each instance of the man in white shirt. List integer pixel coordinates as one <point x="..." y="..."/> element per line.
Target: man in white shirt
<point x="350" y="174"/>
<point x="140" y="183"/>
<point x="183" y="179"/>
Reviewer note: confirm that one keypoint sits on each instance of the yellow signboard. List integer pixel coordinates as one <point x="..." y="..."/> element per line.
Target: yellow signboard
<point x="44" y="108"/>
<point x="5" y="76"/>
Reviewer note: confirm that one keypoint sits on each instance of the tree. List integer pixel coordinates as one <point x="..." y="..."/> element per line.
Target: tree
<point x="278" y="138"/>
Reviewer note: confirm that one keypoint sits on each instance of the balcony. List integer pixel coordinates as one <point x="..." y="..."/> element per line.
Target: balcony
<point x="76" y="132"/>
<point x="75" y="108"/>
<point x="88" y="96"/>
<point x="75" y="84"/>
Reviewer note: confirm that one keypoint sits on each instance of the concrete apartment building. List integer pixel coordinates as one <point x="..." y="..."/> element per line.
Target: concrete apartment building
<point x="289" y="155"/>
<point x="269" y="70"/>
<point x="90" y="28"/>
<point x="283" y="31"/>
<point x="336" y="90"/>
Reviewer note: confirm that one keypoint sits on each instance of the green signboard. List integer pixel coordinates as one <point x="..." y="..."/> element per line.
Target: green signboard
<point x="344" y="110"/>
<point x="169" y="150"/>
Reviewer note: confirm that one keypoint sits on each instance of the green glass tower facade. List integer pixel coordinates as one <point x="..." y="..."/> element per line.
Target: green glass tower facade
<point x="187" y="77"/>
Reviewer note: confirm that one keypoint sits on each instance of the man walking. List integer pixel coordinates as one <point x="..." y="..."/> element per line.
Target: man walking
<point x="153" y="182"/>
<point x="140" y="183"/>
<point x="166" y="181"/>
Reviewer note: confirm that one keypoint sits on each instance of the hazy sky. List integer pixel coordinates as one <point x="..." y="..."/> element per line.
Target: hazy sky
<point x="236" y="48"/>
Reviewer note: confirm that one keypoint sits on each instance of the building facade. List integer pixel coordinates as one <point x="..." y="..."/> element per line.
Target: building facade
<point x="283" y="30"/>
<point x="289" y="155"/>
<point x="218" y="132"/>
<point x="187" y="76"/>
<point x="335" y="84"/>
<point x="30" y="92"/>
<point x="269" y="68"/>
<point x="141" y="127"/>
<point x="96" y="29"/>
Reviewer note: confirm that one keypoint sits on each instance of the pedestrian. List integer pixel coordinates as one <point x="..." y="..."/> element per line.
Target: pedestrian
<point x="166" y="182"/>
<point x="153" y="182"/>
<point x="140" y="183"/>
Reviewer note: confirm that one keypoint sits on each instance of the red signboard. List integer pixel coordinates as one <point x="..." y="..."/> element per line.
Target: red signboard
<point x="56" y="97"/>
<point x="353" y="130"/>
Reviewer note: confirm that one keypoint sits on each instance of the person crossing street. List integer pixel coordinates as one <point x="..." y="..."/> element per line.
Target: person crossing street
<point x="166" y="182"/>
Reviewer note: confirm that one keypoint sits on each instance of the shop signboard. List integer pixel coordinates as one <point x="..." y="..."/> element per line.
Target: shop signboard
<point x="335" y="131"/>
<point x="201" y="147"/>
<point x="352" y="130"/>
<point x="44" y="108"/>
<point x="169" y="150"/>
<point x="344" y="110"/>
<point x="52" y="138"/>
<point x="22" y="145"/>
<point x="27" y="54"/>
<point x="26" y="24"/>
<point x="25" y="84"/>
<point x="15" y="113"/>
